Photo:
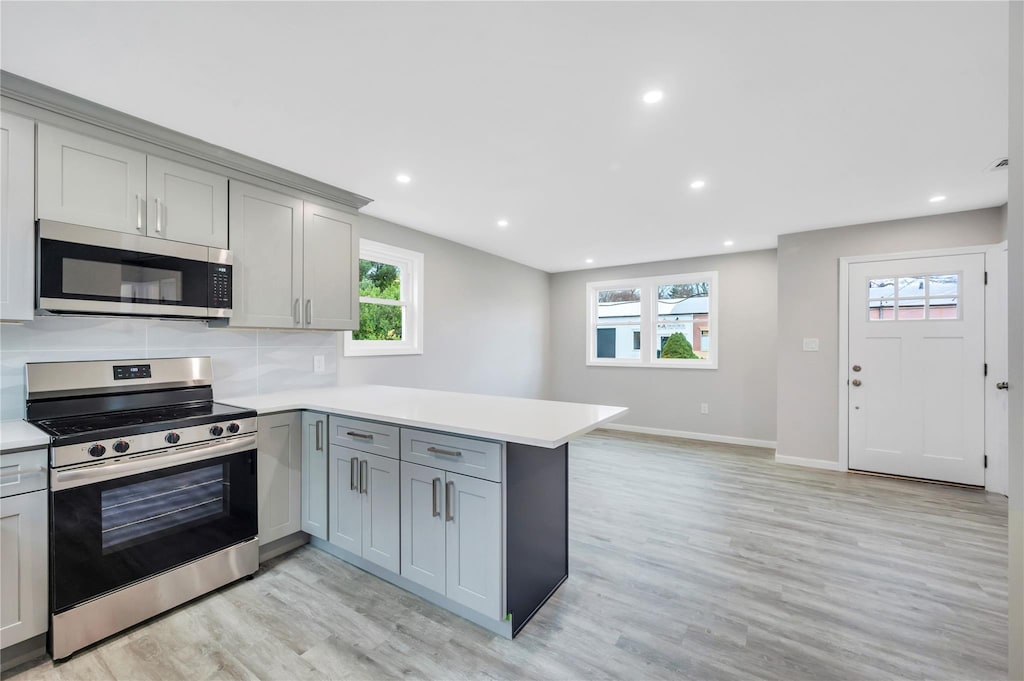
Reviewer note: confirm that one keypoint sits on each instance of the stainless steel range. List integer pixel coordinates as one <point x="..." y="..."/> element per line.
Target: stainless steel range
<point x="152" y="491"/>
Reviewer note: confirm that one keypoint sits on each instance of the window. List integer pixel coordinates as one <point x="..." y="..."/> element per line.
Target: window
<point x="919" y="296"/>
<point x="390" y="302"/>
<point x="666" y="321"/>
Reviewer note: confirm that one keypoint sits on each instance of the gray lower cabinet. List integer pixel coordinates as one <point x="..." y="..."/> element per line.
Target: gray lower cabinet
<point x="279" y="475"/>
<point x="314" y="474"/>
<point x="363" y="498"/>
<point x="295" y="263"/>
<point x="17" y="216"/>
<point x="186" y="204"/>
<point x="451" y="536"/>
<point x="24" y="574"/>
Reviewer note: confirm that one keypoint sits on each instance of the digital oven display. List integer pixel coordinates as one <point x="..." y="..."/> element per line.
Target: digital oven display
<point x="129" y="371"/>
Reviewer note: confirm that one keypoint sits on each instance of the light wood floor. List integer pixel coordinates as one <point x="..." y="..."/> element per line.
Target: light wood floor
<point x="687" y="560"/>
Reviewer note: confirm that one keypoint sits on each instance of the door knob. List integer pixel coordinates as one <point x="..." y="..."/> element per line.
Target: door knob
<point x="1002" y="386"/>
<point x="856" y="367"/>
<point x="855" y="382"/>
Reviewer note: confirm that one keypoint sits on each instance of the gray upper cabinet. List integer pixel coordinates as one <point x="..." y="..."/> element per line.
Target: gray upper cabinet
<point x="186" y="204"/>
<point x="266" y="242"/>
<point x="330" y="269"/>
<point x="17" y="213"/>
<point x="90" y="182"/>
<point x="295" y="263"/>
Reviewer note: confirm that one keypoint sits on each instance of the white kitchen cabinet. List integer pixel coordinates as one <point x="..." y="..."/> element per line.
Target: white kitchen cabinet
<point x="295" y="264"/>
<point x="314" y="474"/>
<point x="17" y="216"/>
<point x="279" y="475"/>
<point x="186" y="204"/>
<point x="363" y="494"/>
<point x="90" y="182"/>
<point x="24" y="557"/>
<point x="451" y="536"/>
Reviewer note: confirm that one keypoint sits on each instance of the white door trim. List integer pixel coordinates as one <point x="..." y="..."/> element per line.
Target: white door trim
<point x="844" y="328"/>
<point x="997" y="476"/>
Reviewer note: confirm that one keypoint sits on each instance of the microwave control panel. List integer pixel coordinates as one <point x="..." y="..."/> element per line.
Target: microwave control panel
<point x="220" y="286"/>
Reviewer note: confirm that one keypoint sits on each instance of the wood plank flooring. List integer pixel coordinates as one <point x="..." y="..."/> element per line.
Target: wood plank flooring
<point x="687" y="560"/>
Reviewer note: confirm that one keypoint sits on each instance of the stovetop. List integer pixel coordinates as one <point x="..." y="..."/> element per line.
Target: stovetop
<point x="87" y="427"/>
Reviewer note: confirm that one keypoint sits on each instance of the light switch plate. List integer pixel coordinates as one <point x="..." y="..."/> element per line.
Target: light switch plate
<point x="319" y="364"/>
<point x="810" y="344"/>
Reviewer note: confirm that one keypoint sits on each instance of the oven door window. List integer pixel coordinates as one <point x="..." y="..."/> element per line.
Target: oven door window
<point x="112" y="533"/>
<point x="83" y="272"/>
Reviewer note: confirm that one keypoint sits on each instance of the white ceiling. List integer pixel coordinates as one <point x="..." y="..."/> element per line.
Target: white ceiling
<point x="799" y="116"/>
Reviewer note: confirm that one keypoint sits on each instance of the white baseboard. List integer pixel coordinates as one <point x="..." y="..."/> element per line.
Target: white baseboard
<point x="807" y="463"/>
<point x="686" y="435"/>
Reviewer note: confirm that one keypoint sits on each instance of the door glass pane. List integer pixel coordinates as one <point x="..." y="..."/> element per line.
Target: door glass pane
<point x="619" y="304"/>
<point x="944" y="296"/>
<point x="911" y="287"/>
<point x="908" y="309"/>
<point x="881" y="298"/>
<point x="380" y="280"/>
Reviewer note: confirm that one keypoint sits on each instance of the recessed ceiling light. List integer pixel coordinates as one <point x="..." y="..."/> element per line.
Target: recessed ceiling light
<point x="730" y="242"/>
<point x="403" y="178"/>
<point x="502" y="223"/>
<point x="936" y="199"/>
<point x="697" y="184"/>
<point x="589" y="261"/>
<point x="653" y="96"/>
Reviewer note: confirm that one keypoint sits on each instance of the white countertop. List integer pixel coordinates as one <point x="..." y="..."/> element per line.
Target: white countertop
<point x="512" y="419"/>
<point x="21" y="435"/>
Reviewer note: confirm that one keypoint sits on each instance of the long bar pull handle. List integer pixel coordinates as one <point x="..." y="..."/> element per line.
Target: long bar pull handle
<point x="295" y="312"/>
<point x="319" y="435"/>
<point x="364" y="436"/>
<point x="158" y="221"/>
<point x="353" y="473"/>
<point x="446" y="452"/>
<point x="435" y="489"/>
<point x="364" y="473"/>
<point x="309" y="312"/>
<point x="449" y="494"/>
<point x="138" y="212"/>
<point x="31" y="471"/>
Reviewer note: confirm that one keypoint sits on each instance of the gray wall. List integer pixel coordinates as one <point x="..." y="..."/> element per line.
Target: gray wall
<point x="740" y="393"/>
<point x="808" y="307"/>
<point x="1015" y="235"/>
<point x="485" y="325"/>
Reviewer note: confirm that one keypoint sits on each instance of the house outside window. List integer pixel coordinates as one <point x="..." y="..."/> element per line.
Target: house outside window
<point x="664" y="321"/>
<point x="390" y="302"/>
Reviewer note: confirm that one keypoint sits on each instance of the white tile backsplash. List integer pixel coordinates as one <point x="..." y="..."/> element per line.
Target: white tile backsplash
<point x="245" y="361"/>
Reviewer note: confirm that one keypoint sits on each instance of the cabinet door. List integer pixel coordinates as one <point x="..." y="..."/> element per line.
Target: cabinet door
<point x="89" y="182"/>
<point x="279" y="475"/>
<point x="381" y="541"/>
<point x="473" y="542"/>
<point x="265" y="235"/>
<point x="422" y="504"/>
<point x="17" y="214"/>
<point x="24" y="609"/>
<point x="314" y="474"/>
<point x="330" y="269"/>
<point x="345" y="501"/>
<point x="186" y="204"/>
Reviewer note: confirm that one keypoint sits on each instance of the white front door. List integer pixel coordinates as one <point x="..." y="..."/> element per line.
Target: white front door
<point x="916" y="367"/>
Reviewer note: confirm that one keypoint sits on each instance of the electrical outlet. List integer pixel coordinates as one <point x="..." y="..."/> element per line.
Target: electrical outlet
<point x="810" y="344"/>
<point x="704" y="408"/>
<point x="319" y="364"/>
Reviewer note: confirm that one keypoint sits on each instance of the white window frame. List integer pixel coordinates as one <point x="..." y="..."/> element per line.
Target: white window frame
<point x="410" y="263"/>
<point x="649" y="321"/>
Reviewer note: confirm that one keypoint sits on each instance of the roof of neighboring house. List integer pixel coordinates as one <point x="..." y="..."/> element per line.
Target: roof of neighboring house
<point x="694" y="305"/>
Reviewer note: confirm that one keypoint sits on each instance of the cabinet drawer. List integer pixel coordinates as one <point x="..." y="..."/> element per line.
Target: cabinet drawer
<point x="477" y="458"/>
<point x="22" y="472"/>
<point x="366" y="436"/>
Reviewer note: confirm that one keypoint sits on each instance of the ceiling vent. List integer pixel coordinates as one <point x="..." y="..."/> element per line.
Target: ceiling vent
<point x="999" y="164"/>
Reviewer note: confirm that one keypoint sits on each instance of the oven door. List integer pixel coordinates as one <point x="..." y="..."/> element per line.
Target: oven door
<point x="82" y="269"/>
<point x="111" y="527"/>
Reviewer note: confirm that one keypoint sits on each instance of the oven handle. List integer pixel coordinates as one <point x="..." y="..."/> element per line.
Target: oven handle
<point x="68" y="479"/>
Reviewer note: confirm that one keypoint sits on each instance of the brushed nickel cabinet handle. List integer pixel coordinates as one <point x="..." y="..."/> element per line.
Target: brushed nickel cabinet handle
<point x="446" y="452"/>
<point x="138" y="212"/>
<point x="295" y="312"/>
<point x="353" y="473"/>
<point x="435" y="491"/>
<point x="449" y="493"/>
<point x="319" y="435"/>
<point x="157" y="201"/>
<point x="364" y="473"/>
<point x="309" y="312"/>
<point x="364" y="436"/>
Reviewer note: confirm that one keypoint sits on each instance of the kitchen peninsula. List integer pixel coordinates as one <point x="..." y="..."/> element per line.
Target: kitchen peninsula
<point x="459" y="498"/>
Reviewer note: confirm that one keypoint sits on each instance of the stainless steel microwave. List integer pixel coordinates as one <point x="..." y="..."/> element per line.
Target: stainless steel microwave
<point x="83" y="270"/>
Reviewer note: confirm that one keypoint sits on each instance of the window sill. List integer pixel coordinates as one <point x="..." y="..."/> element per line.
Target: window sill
<point x="684" y="364"/>
<point x="375" y="351"/>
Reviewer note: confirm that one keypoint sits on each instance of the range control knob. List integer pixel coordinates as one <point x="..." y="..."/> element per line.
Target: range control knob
<point x="121" y="446"/>
<point x="172" y="438"/>
<point x="234" y="427"/>
<point x="97" y="450"/>
<point x="217" y="431"/>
